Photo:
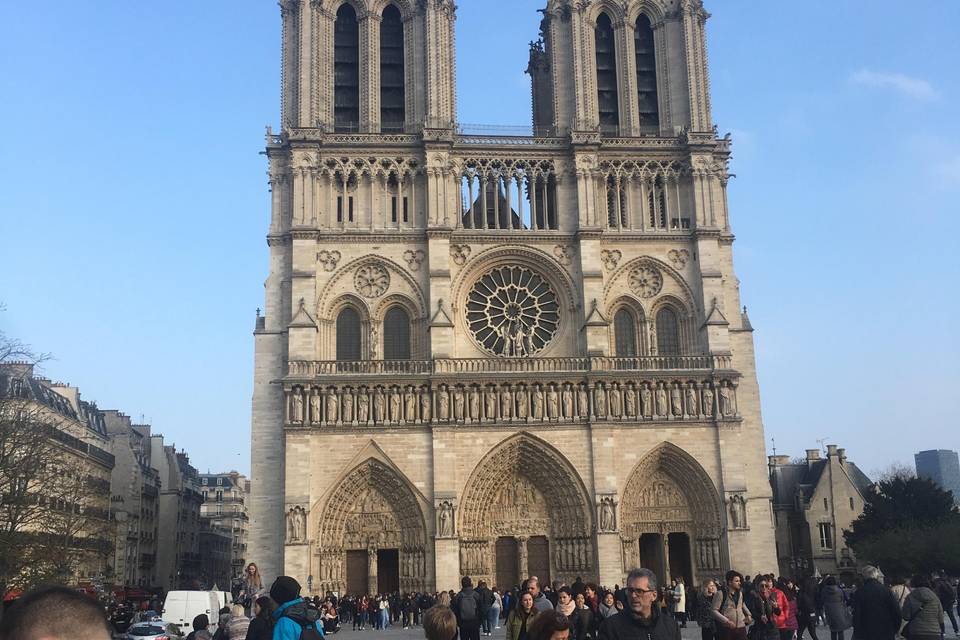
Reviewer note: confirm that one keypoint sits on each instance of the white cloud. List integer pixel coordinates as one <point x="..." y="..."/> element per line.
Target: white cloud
<point x="916" y="88"/>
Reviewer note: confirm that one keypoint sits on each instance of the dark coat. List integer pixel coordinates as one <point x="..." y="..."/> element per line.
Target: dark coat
<point x="259" y="629"/>
<point x="876" y="615"/>
<point x="835" y="608"/>
<point x="624" y="626"/>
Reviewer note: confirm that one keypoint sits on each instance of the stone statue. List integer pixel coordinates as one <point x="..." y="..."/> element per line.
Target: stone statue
<point x="600" y="401"/>
<point x="615" y="402"/>
<point x="583" y="401"/>
<point x="458" y="404"/>
<point x="608" y="516"/>
<point x="691" y="401"/>
<point x="630" y="401"/>
<point x="396" y="403"/>
<point x="443" y="403"/>
<point x="297" y="406"/>
<point x="410" y="404"/>
<point x="568" y="401"/>
<point x="738" y="512"/>
<point x="646" y="400"/>
<point x="315" y="416"/>
<point x="363" y="407"/>
<point x="727" y="403"/>
<point x="553" y="403"/>
<point x="300" y="524"/>
<point x="662" y="407"/>
<point x="708" y="401"/>
<point x="333" y="407"/>
<point x="445" y="520"/>
<point x="676" y="402"/>
<point x="506" y="403"/>
<point x="379" y="405"/>
<point x="424" y="404"/>
<point x="347" y="413"/>
<point x="537" y="399"/>
<point x="491" y="403"/>
<point x="522" y="403"/>
<point x="474" y="404"/>
<point x="291" y="530"/>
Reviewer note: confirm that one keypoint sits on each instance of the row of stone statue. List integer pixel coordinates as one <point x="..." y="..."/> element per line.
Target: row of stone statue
<point x="650" y="400"/>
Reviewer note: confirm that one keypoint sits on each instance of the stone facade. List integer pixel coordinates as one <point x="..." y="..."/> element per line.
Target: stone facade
<point x="814" y="501"/>
<point x="178" y="542"/>
<point x="502" y="355"/>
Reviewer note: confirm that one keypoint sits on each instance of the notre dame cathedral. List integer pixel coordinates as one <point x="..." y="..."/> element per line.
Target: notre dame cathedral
<point x="496" y="355"/>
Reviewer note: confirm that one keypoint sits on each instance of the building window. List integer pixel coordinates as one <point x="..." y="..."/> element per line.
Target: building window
<point x="657" y="204"/>
<point x="616" y="203"/>
<point x="205" y="481"/>
<point x="346" y="69"/>
<point x="396" y="334"/>
<point x="625" y="334"/>
<point x="607" y="98"/>
<point x="826" y="505"/>
<point x="392" y="94"/>
<point x="219" y="482"/>
<point x="348" y="335"/>
<point x="668" y="332"/>
<point x="852" y="508"/>
<point x="826" y="535"/>
<point x="648" y="104"/>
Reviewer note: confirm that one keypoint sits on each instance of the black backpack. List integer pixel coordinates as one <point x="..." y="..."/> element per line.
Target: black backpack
<point x="468" y="606"/>
<point x="308" y="624"/>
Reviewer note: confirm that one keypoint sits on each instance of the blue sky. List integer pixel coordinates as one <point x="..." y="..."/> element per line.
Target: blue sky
<point x="134" y="204"/>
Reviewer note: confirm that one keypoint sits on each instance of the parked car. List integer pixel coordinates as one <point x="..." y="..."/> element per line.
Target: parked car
<point x="153" y="630"/>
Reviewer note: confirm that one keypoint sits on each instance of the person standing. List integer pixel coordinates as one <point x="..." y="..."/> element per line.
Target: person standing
<point x="252" y="587"/>
<point x="729" y="609"/>
<point x="766" y="611"/>
<point x="293" y="615"/>
<point x="948" y="598"/>
<point x="680" y="602"/>
<point x="493" y="616"/>
<point x="900" y="592"/>
<point x="261" y="627"/>
<point x="640" y="619"/>
<point x="486" y="601"/>
<point x="876" y="615"/>
<point x="520" y="618"/>
<point x="540" y="601"/>
<point x="704" y="611"/>
<point x="787" y="623"/>
<point x="587" y="628"/>
<point x="835" y="608"/>
<point x="807" y="609"/>
<point x="467" y="608"/>
<point x="922" y="611"/>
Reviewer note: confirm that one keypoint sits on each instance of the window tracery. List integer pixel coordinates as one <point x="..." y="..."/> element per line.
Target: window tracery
<point x="392" y="89"/>
<point x="346" y="69"/>
<point x="608" y="101"/>
<point x="509" y="194"/>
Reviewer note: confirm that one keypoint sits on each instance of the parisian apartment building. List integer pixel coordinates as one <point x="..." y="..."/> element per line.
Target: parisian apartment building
<point x="225" y="498"/>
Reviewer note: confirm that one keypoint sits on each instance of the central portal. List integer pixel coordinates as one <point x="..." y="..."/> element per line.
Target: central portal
<point x="508" y="563"/>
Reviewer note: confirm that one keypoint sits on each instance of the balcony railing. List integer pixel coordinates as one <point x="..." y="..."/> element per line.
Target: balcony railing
<point x="445" y="366"/>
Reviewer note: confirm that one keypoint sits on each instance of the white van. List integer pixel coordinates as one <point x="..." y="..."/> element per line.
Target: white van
<point x="181" y="607"/>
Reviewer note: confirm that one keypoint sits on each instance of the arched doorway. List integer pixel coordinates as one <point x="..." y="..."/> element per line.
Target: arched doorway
<point x="670" y="516"/>
<point x="525" y="512"/>
<point x="372" y="534"/>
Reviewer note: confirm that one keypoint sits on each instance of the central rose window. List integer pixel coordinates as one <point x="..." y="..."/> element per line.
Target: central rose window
<point x="513" y="312"/>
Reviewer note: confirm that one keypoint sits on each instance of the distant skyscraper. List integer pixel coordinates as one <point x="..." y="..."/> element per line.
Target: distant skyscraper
<point x="943" y="467"/>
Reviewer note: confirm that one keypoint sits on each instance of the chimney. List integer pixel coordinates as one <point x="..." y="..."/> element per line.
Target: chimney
<point x="842" y="454"/>
<point x="813" y="455"/>
<point x="831" y="450"/>
<point x="778" y="461"/>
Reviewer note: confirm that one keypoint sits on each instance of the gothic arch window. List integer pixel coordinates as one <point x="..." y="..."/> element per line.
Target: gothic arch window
<point x="657" y="203"/>
<point x="392" y="93"/>
<point x="616" y="203"/>
<point x="648" y="103"/>
<point x="346" y="69"/>
<point x="396" y="334"/>
<point x="625" y="334"/>
<point x="349" y="335"/>
<point x="668" y="332"/>
<point x="608" y="103"/>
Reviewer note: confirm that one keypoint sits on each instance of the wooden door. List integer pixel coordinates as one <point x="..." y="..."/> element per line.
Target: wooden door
<point x="508" y="558"/>
<point x="357" y="573"/>
<point x="538" y="558"/>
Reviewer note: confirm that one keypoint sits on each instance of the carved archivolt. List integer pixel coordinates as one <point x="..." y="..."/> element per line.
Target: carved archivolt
<point x="524" y="487"/>
<point x="669" y="489"/>
<point x="372" y="508"/>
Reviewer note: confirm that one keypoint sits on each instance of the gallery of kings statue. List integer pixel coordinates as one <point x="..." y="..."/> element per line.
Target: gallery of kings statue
<point x="501" y="353"/>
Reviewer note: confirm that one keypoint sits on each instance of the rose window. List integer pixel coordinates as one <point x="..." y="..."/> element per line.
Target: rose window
<point x="512" y="311"/>
<point x="372" y="280"/>
<point x="646" y="282"/>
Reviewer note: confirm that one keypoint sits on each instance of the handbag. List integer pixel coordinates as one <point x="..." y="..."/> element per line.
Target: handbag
<point x="905" y="632"/>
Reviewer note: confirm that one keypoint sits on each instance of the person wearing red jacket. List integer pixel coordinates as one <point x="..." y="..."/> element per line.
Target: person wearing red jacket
<point x="768" y="611"/>
<point x="787" y="597"/>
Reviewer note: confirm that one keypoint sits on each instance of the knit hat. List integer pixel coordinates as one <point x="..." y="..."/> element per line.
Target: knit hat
<point x="284" y="590"/>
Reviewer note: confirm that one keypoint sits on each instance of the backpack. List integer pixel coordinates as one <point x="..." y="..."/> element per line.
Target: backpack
<point x="468" y="606"/>
<point x="308" y="624"/>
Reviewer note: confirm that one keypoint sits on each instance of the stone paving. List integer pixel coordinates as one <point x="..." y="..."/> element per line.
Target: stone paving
<point x="692" y="632"/>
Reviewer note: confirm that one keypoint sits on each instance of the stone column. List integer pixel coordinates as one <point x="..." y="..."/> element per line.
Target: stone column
<point x="372" y="569"/>
<point x="523" y="558"/>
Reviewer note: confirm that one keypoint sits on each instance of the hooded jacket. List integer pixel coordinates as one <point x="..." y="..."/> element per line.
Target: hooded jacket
<point x="923" y="610"/>
<point x="626" y="626"/>
<point x="289" y="617"/>
<point x="876" y="614"/>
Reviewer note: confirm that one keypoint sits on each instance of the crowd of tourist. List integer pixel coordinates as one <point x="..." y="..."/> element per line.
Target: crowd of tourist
<point x="735" y="608"/>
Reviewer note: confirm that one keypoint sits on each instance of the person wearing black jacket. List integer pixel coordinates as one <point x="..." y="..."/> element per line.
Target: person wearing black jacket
<point x="466" y="606"/>
<point x="876" y="615"/>
<point x="486" y="601"/>
<point x="641" y="619"/>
